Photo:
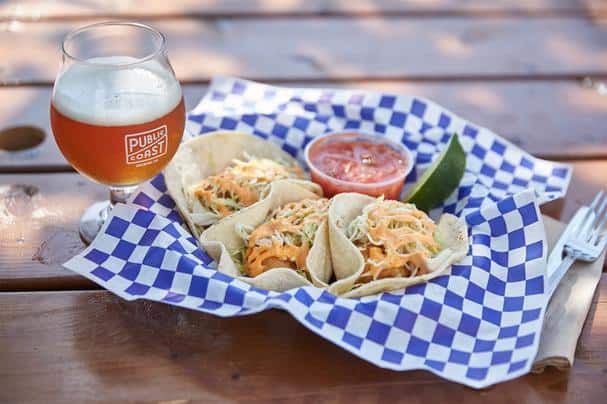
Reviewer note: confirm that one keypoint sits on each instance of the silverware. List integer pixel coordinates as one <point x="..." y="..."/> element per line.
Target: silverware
<point x="585" y="238"/>
<point x="558" y="249"/>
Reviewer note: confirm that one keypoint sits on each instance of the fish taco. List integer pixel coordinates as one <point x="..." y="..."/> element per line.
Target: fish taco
<point x="279" y="244"/>
<point x="381" y="245"/>
<point x="218" y="174"/>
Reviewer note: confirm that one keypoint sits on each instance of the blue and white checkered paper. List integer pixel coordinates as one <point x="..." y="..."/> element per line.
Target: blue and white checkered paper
<point x="478" y="325"/>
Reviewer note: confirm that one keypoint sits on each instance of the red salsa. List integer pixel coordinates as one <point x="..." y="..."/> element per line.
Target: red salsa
<point x="358" y="163"/>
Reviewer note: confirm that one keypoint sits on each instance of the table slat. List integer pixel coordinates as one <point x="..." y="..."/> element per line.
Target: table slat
<point x="337" y="48"/>
<point x="36" y="9"/>
<point x="150" y="351"/>
<point x="39" y="216"/>
<point x="552" y="119"/>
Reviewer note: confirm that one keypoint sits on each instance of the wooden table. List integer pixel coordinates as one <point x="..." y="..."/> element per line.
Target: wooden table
<point x="515" y="67"/>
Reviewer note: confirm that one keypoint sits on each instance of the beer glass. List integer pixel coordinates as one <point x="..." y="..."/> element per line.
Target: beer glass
<point x="117" y="110"/>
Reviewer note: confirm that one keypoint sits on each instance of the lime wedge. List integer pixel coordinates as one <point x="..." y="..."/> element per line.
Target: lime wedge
<point x="440" y="179"/>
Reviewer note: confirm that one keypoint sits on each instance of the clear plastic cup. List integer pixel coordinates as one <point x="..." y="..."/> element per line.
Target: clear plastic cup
<point x="390" y="187"/>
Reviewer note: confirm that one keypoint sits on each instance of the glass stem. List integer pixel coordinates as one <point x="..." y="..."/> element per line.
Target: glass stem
<point x="94" y="217"/>
<point x="121" y="194"/>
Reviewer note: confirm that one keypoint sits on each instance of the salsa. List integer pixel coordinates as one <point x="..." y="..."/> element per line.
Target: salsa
<point x="358" y="163"/>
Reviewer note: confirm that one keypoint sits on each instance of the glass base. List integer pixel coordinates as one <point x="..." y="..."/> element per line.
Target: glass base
<point x="92" y="220"/>
<point x="95" y="215"/>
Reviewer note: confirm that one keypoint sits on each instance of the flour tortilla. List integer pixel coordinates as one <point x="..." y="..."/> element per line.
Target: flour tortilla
<point x="348" y="261"/>
<point x="207" y="155"/>
<point x="222" y="237"/>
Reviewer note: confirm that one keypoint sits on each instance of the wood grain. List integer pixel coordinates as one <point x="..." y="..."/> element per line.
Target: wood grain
<point x="552" y="119"/>
<point x="81" y="346"/>
<point x="37" y="9"/>
<point x="39" y="216"/>
<point x="335" y="48"/>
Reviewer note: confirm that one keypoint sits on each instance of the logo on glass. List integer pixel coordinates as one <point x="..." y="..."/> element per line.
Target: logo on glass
<point x="144" y="147"/>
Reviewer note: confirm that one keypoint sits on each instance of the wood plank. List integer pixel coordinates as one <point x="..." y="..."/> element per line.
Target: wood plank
<point x="38" y="9"/>
<point x="316" y="49"/>
<point x="552" y="119"/>
<point x="39" y="216"/>
<point x="79" y="346"/>
<point x="29" y="107"/>
<point x="589" y="177"/>
<point x="39" y="220"/>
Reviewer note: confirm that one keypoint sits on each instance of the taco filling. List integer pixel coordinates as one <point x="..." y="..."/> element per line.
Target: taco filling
<point x="284" y="240"/>
<point x="396" y="239"/>
<point x="239" y="185"/>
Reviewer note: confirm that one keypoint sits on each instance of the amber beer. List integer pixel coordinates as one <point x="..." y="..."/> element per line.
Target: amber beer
<point x="125" y="129"/>
<point x="122" y="154"/>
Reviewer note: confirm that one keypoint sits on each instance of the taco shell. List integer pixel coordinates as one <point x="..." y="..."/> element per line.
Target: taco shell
<point x="223" y="237"/>
<point x="348" y="261"/>
<point x="207" y="155"/>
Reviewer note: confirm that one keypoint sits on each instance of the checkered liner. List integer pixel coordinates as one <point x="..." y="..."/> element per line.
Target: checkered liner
<point x="479" y="325"/>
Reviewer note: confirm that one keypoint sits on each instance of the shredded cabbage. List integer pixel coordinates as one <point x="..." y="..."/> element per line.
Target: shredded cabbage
<point x="285" y="238"/>
<point x="241" y="184"/>
<point x="394" y="238"/>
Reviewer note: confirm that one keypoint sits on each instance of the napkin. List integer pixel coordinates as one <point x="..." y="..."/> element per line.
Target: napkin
<point x="568" y="308"/>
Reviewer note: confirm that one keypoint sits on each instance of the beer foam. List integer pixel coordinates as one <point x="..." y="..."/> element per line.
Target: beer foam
<point x="102" y="95"/>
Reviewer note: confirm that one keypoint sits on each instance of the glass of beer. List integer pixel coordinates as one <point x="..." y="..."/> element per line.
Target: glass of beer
<point x="117" y="110"/>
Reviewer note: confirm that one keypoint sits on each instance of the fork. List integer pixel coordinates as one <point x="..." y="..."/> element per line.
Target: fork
<point x="587" y="239"/>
